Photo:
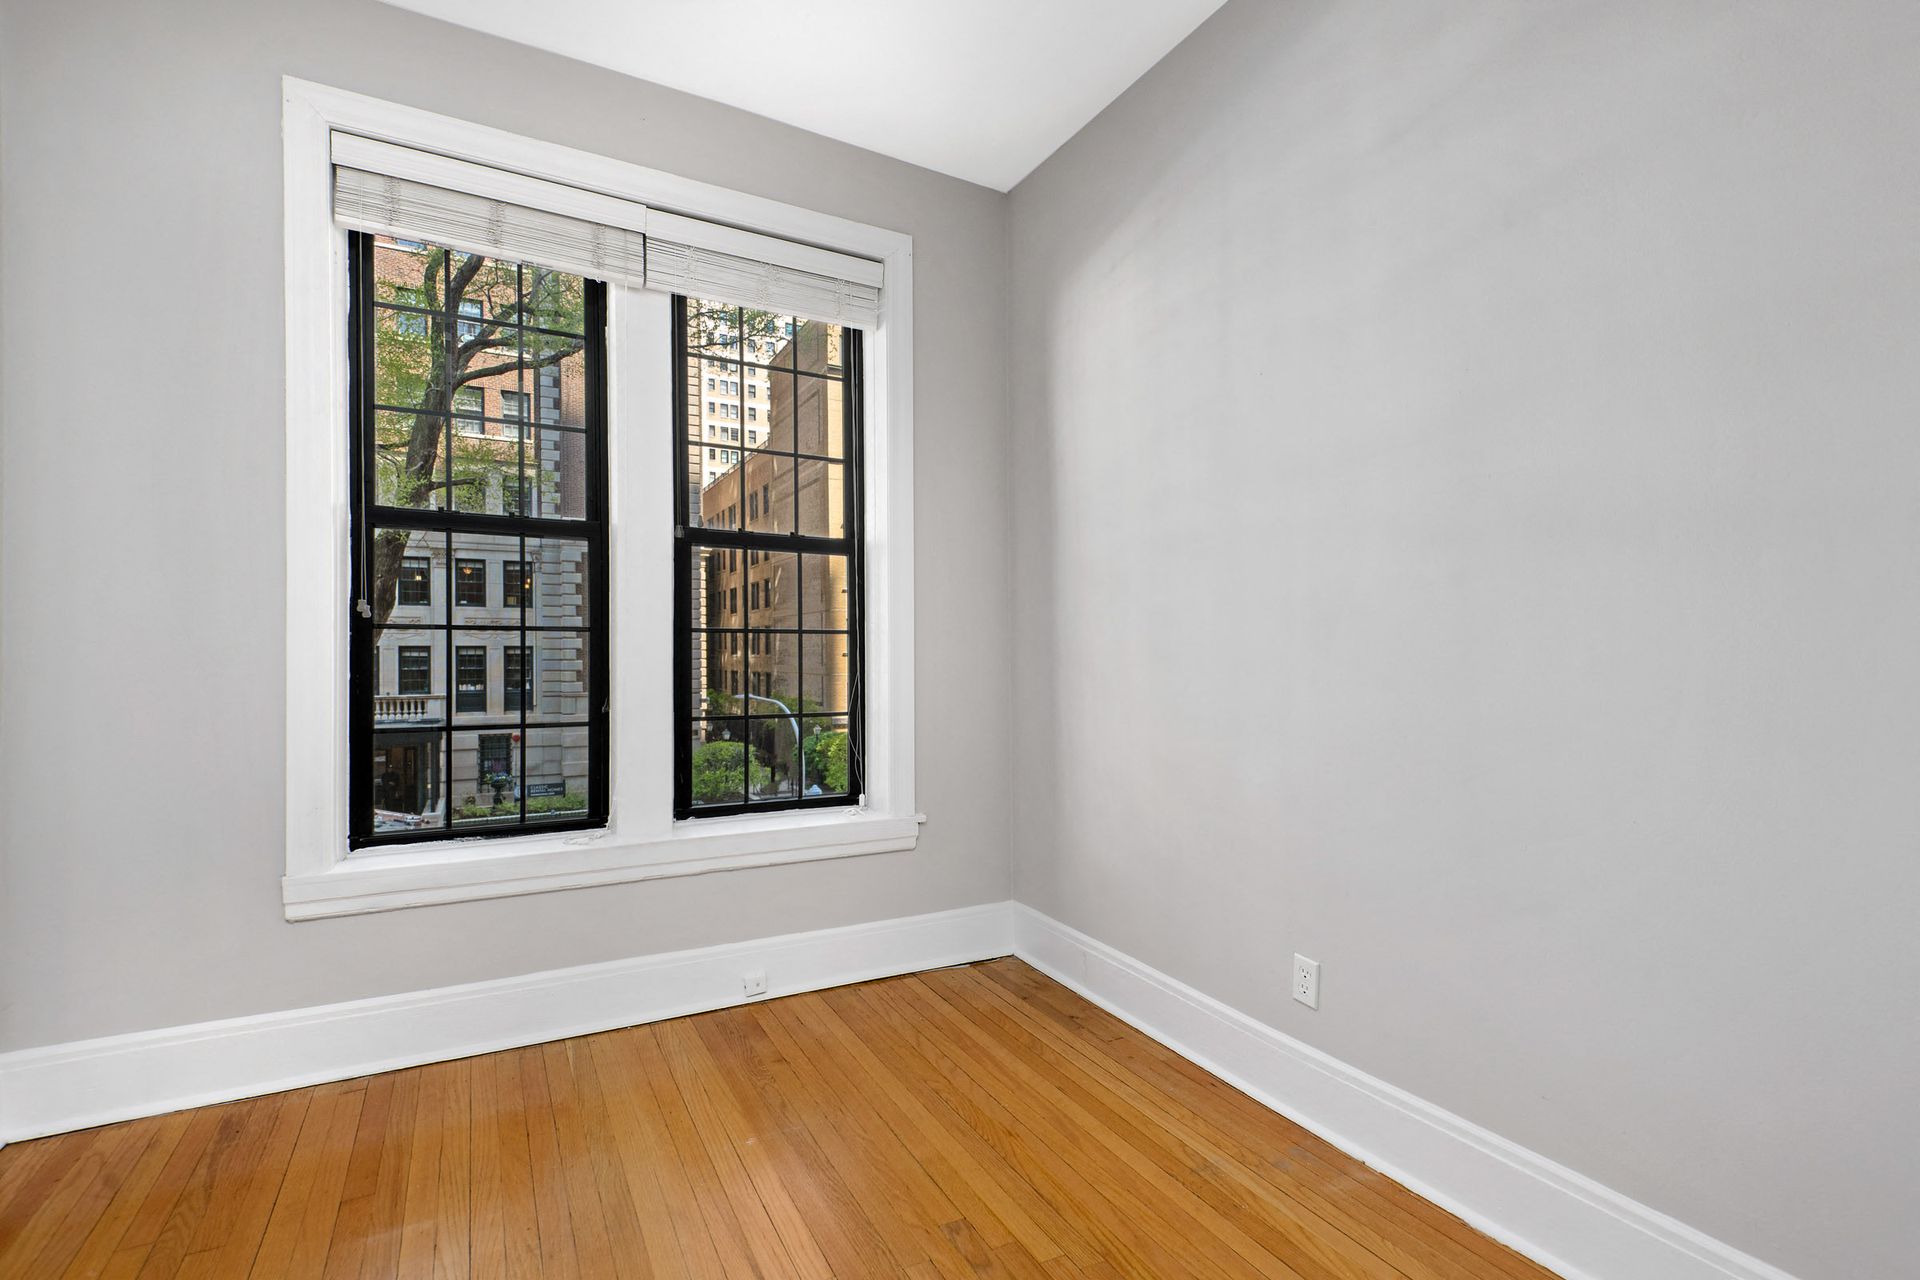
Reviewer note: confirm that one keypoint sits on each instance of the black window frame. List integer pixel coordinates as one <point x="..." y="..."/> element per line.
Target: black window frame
<point x="589" y="529"/>
<point x="421" y="654"/>
<point x="692" y="541"/>
<point x="421" y="570"/>
<point x="462" y="580"/>
<point x="464" y="686"/>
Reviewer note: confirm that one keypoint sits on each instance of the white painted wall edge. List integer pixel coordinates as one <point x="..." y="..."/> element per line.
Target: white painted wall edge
<point x="1561" y="1219"/>
<point x="91" y="1082"/>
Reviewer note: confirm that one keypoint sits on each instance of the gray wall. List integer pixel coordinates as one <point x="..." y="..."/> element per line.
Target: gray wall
<point x="142" y="648"/>
<point x="1467" y="498"/>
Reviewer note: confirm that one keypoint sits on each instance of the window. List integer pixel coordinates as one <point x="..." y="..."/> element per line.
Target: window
<point x="530" y="500"/>
<point x="416" y="581"/>
<point x="768" y="699"/>
<point x="415" y="675"/>
<point x="470" y="583"/>
<point x="518" y="673"/>
<point x="470" y="678"/>
<point x="358" y="778"/>
<point x="516" y="583"/>
<point x="470" y="404"/>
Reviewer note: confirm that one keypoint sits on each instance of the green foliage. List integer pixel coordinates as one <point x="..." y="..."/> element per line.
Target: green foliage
<point x="826" y="756"/>
<point x="556" y="804"/>
<point x="720" y="769"/>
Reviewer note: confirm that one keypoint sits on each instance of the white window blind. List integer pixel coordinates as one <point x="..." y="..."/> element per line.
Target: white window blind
<point x="416" y="195"/>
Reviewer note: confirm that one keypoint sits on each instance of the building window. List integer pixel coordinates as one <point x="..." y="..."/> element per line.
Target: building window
<point x="513" y="405"/>
<point x="516" y="584"/>
<point x="470" y="678"/>
<point x="768" y="699"/>
<point x="429" y="494"/>
<point x="470" y="584"/>
<point x="415" y="675"/>
<point x="416" y="581"/>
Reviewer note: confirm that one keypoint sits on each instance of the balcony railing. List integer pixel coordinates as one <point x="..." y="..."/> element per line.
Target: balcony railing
<point x="409" y="708"/>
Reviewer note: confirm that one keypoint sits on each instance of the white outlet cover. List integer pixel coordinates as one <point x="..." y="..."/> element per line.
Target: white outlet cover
<point x="754" y="982"/>
<point x="1306" y="981"/>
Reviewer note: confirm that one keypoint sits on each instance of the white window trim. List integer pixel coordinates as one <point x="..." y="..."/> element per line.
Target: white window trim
<point x="642" y="840"/>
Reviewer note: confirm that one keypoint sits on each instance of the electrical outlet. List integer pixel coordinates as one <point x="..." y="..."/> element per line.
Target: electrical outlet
<point x="1306" y="981"/>
<point x="754" y="982"/>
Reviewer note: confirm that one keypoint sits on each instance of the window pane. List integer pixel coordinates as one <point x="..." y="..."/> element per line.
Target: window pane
<point x="823" y="498"/>
<point x="557" y="466"/>
<point x="557" y="682"/>
<point x="486" y="473"/>
<point x="823" y="593"/>
<point x="714" y="495"/>
<point x="773" y="672"/>
<point x="770" y="582"/>
<point x="817" y="348"/>
<point x="769" y="498"/>
<point x="410" y="460"/>
<point x="720" y="762"/>
<point x="408" y="786"/>
<point x="479" y="569"/>
<point x="406" y="360"/>
<point x="824" y="759"/>
<point x="776" y="750"/>
<point x="556" y="378"/>
<point x="767" y="335"/>
<point x="486" y="778"/>
<point x="410" y="677"/>
<point x="558" y="779"/>
<point x="825" y="661"/>
<point x="407" y="273"/>
<point x="819" y="414"/>
<point x="713" y="329"/>
<point x="717" y="660"/>
<point x="406" y="570"/>
<point x="555" y="300"/>
<point x="561" y="569"/>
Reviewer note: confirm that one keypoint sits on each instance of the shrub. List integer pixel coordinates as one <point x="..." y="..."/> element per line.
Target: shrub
<point x="720" y="769"/>
<point x="555" y="804"/>
<point x="826" y="755"/>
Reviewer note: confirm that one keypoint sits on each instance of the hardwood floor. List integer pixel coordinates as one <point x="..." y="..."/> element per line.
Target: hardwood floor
<point x="982" y="1121"/>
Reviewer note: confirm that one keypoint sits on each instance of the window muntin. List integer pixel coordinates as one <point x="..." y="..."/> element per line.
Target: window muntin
<point x="768" y="566"/>
<point x="479" y="450"/>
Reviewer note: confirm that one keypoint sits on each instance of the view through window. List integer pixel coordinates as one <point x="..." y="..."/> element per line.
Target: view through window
<point x="768" y="564"/>
<point x="479" y="672"/>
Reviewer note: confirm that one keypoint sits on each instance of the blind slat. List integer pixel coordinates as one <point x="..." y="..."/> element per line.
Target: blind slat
<point x="724" y="277"/>
<point x="411" y="210"/>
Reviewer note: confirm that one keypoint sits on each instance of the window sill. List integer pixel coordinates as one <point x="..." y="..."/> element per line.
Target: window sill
<point x="400" y="876"/>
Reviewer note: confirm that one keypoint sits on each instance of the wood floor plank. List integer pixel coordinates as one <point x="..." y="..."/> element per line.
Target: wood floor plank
<point x="975" y="1122"/>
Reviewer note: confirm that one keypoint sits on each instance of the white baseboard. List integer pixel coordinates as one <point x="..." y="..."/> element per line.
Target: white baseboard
<point x="1567" y="1223"/>
<point x="91" y="1082"/>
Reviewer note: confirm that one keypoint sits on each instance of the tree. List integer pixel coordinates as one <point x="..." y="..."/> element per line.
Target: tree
<point x="421" y="361"/>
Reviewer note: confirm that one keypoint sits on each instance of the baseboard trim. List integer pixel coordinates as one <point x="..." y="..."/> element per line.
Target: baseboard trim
<point x="85" y="1083"/>
<point x="1563" y="1220"/>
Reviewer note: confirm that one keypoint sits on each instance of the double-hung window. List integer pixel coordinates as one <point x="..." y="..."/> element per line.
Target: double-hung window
<point x="546" y="628"/>
<point x="436" y="487"/>
<point x="773" y="723"/>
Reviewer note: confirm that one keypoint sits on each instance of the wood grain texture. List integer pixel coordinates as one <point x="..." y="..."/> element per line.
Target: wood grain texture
<point x="973" y="1122"/>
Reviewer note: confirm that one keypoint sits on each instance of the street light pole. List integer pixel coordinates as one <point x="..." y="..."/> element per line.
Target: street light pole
<point x="791" y="719"/>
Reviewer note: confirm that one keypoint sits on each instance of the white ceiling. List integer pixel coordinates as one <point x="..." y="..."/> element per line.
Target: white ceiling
<point x="981" y="89"/>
